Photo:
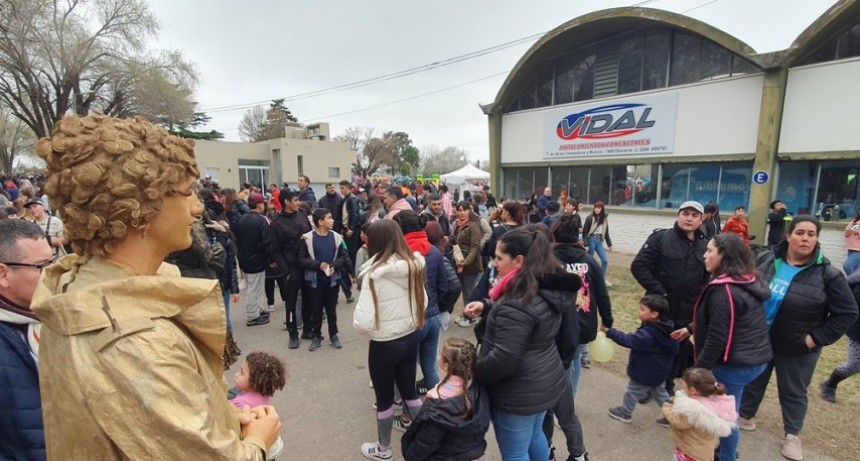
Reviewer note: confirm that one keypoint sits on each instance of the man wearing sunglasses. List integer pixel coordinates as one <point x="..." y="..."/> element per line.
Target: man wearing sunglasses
<point x="24" y="252"/>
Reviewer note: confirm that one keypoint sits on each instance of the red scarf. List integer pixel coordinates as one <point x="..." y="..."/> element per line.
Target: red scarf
<point x="417" y="241"/>
<point x="502" y="285"/>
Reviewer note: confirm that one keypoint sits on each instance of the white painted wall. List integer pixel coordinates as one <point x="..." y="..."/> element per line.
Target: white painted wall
<point x="822" y="108"/>
<point x="718" y="117"/>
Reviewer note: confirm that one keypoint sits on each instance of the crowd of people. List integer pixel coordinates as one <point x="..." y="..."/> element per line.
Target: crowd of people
<point x="116" y="287"/>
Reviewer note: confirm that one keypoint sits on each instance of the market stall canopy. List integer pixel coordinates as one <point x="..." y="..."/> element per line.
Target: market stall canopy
<point x="467" y="173"/>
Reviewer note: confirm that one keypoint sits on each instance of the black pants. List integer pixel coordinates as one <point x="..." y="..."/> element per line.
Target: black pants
<point x="322" y="297"/>
<point x="683" y="360"/>
<point x="393" y="362"/>
<point x="270" y="289"/>
<point x="295" y="283"/>
<point x="565" y="411"/>
<point x="346" y="282"/>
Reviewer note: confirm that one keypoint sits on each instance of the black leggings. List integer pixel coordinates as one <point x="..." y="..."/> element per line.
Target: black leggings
<point x="393" y="362"/>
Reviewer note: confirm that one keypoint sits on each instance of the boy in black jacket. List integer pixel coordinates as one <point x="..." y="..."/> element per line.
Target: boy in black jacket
<point x="652" y="351"/>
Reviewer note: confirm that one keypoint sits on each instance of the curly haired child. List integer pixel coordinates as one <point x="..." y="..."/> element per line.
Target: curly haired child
<point x="259" y="377"/>
<point x="455" y="417"/>
<point x="700" y="413"/>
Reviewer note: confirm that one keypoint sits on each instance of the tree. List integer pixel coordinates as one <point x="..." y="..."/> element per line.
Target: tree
<point x="442" y="161"/>
<point x="261" y="124"/>
<point x="406" y="157"/>
<point x="372" y="153"/>
<point x="75" y="56"/>
<point x="252" y="127"/>
<point x="185" y="129"/>
<point x="16" y="140"/>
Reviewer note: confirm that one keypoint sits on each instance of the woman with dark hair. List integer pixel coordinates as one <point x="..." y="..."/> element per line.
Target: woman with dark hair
<point x="374" y="210"/>
<point x="852" y="244"/>
<point x="467" y="238"/>
<point x="511" y="217"/>
<point x="811" y="306"/>
<point x="519" y="361"/>
<point x="595" y="232"/>
<point x="234" y="207"/>
<point x="729" y="323"/>
<point x="390" y="310"/>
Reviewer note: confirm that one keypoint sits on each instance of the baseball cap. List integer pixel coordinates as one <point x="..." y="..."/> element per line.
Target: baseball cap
<point x="255" y="198"/>
<point x="692" y="204"/>
<point x="33" y="201"/>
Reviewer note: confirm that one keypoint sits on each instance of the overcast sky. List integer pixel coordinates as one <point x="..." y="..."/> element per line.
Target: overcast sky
<point x="257" y="50"/>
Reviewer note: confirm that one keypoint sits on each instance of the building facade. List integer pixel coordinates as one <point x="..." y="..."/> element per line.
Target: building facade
<point x="304" y="150"/>
<point x="644" y="109"/>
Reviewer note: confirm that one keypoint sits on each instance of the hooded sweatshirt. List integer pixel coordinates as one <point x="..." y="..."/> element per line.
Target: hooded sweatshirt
<point x="652" y="351"/>
<point x="593" y="296"/>
<point x="697" y="422"/>
<point x="121" y="352"/>
<point x="436" y="280"/>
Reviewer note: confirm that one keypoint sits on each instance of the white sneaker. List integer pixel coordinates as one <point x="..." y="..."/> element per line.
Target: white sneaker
<point x="791" y="448"/>
<point x="373" y="450"/>
<point x="746" y="424"/>
<point x="270" y="308"/>
<point x="608" y="283"/>
<point x="467" y="322"/>
<point x="445" y="320"/>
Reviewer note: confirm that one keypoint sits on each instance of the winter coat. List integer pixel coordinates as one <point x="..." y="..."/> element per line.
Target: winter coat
<point x="671" y="265"/>
<point x="740" y="226"/>
<point x="441" y="432"/>
<point x="696" y="423"/>
<point x="145" y="381"/>
<point x="308" y="197"/>
<point x="229" y="276"/>
<point x="587" y="229"/>
<point x="518" y="361"/>
<point x="252" y="239"/>
<point x="854" y="283"/>
<point x="730" y="326"/>
<point x="394" y="302"/>
<point x="541" y="203"/>
<point x="202" y="260"/>
<point x="352" y="206"/>
<point x="285" y="240"/>
<point x="311" y="265"/>
<point x="436" y="280"/>
<point x="711" y="227"/>
<point x="469" y="240"/>
<point x="593" y="297"/>
<point x="452" y="294"/>
<point x="818" y="302"/>
<point x="333" y="203"/>
<point x="777" y="221"/>
<point x="652" y="351"/>
<point x="397" y="207"/>
<point x="443" y="221"/>
<point x="489" y="248"/>
<point x="240" y="208"/>
<point x="21" y="433"/>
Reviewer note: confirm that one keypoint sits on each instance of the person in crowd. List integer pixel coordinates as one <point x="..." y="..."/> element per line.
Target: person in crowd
<point x="436" y="285"/>
<point x="333" y="202"/>
<point x="234" y="207"/>
<point x="519" y="362"/>
<point x="511" y="216"/>
<point x="435" y="212"/>
<point x="729" y="327"/>
<point x="852" y="245"/>
<point x="593" y="297"/>
<point x="652" y="351"/>
<point x="738" y="224"/>
<point x="285" y="245"/>
<point x="51" y="225"/>
<point x="12" y="190"/>
<point x="563" y="198"/>
<point x="447" y="202"/>
<point x="777" y="219"/>
<point x="700" y="414"/>
<point x="143" y="339"/>
<point x="306" y="192"/>
<point x="394" y="202"/>
<point x="374" y="210"/>
<point x="361" y="256"/>
<point x="390" y="310"/>
<point x="671" y="264"/>
<point x="811" y="306"/>
<point x="229" y="276"/>
<point x="447" y="300"/>
<point x="323" y="257"/>
<point x="711" y="220"/>
<point x="552" y="213"/>
<point x="252" y="240"/>
<point x="595" y="231"/>
<point x="350" y="228"/>
<point x="851" y="366"/>
<point x="258" y="378"/>
<point x="467" y="239"/>
<point x="423" y="193"/>
<point x="543" y="201"/>
<point x="275" y="199"/>
<point x="24" y="253"/>
<point x="456" y="414"/>
<point x="489" y="198"/>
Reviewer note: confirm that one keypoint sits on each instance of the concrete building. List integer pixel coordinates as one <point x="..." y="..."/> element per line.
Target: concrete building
<point x="644" y="109"/>
<point x="304" y="150"/>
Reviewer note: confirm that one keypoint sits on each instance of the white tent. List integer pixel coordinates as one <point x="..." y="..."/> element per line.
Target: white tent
<point x="467" y="173"/>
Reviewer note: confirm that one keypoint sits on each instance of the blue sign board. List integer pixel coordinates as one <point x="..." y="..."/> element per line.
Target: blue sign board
<point x="760" y="177"/>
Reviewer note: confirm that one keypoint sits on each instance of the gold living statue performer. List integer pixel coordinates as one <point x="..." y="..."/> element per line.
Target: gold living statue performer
<point x="131" y="353"/>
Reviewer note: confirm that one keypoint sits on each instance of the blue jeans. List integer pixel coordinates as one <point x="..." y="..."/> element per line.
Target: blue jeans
<point x="852" y="262"/>
<point x="520" y="437"/>
<point x="595" y="243"/>
<point x="226" y="295"/>
<point x="576" y="367"/>
<point x="428" y="345"/>
<point x="735" y="379"/>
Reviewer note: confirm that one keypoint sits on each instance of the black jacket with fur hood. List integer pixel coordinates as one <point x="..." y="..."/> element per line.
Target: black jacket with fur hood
<point x="519" y="361"/>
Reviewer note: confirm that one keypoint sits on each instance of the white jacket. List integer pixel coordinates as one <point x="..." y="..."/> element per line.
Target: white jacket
<point x="397" y="312"/>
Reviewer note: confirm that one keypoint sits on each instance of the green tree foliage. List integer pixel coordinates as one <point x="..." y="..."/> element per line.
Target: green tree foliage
<point x="187" y="129"/>
<point x="261" y="124"/>
<point x="405" y="156"/>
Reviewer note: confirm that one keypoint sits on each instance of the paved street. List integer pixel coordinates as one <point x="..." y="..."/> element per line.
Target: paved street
<point x="326" y="406"/>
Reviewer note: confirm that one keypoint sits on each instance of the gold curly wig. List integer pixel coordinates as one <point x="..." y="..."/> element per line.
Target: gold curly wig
<point x="108" y="176"/>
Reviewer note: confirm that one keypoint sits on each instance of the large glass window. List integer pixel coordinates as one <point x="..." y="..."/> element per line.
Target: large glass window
<point x="796" y="186"/>
<point x="600" y="184"/>
<point x="544" y="87"/>
<point x="527" y="98"/>
<point x="656" y="60"/>
<point x="686" y="59"/>
<point x="523" y="182"/>
<point x="564" y="74"/>
<point x="837" y="189"/>
<point x="810" y="187"/>
<point x="716" y="61"/>
<point x="844" y="45"/>
<point x="735" y="180"/>
<point x="583" y="83"/>
<point x="578" y="188"/>
<point x="630" y="56"/>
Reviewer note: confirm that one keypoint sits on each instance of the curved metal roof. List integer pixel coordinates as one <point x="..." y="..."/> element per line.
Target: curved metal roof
<point x="839" y="16"/>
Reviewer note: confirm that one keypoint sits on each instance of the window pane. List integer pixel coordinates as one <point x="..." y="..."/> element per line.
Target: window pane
<point x="333" y="172"/>
<point x="849" y="43"/>
<point x="599" y="186"/>
<point x="527" y="97"/>
<point x="510" y="189"/>
<point x="541" y="175"/>
<point x="796" y="181"/>
<point x="584" y="79"/>
<point x="735" y="185"/>
<point x="827" y="52"/>
<point x="716" y="61"/>
<point x="704" y="182"/>
<point x="741" y="66"/>
<point x="564" y="72"/>
<point x="656" y="60"/>
<point x="579" y="183"/>
<point x="630" y="55"/>
<point x="544" y="88"/>
<point x="560" y="179"/>
<point x="837" y="187"/>
<point x="676" y="184"/>
<point x="644" y="185"/>
<point x="686" y="59"/>
<point x="622" y="186"/>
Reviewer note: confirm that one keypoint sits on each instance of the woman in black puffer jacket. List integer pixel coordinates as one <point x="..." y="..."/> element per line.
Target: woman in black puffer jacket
<point x="519" y="362"/>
